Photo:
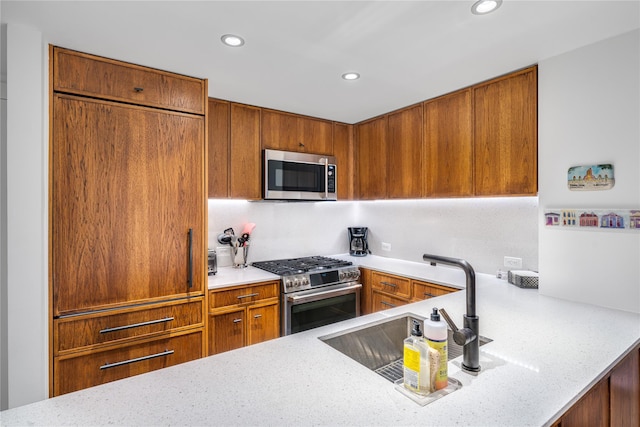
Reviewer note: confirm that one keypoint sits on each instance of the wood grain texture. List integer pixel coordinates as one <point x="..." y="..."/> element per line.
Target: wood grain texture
<point x="506" y="141"/>
<point x="343" y="151"/>
<point x="372" y="159"/>
<point x="83" y="74"/>
<point x="393" y="285"/>
<point x="263" y="322"/>
<point x="245" y="154"/>
<point x="382" y="301"/>
<point x="227" y="330"/>
<point x="625" y="391"/>
<point x="127" y="186"/>
<point x="218" y="119"/>
<point x="81" y="332"/>
<point x="76" y="373"/>
<point x="448" y="141"/>
<point x="591" y="410"/>
<point x="405" y="153"/>
<point x="243" y="295"/>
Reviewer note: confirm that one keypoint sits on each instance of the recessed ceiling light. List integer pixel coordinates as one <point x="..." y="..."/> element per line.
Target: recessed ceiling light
<point x="232" y="40"/>
<point x="482" y="7"/>
<point x="351" y="76"/>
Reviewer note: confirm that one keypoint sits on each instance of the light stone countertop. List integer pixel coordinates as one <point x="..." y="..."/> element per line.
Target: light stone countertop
<point x="545" y="354"/>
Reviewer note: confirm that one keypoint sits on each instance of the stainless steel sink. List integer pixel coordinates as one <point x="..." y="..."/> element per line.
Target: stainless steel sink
<point x="379" y="345"/>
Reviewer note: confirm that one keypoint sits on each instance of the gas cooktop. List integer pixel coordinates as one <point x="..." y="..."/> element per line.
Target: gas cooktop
<point x="284" y="267"/>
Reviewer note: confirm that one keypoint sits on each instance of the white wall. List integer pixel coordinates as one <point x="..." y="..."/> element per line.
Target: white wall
<point x="589" y="113"/>
<point x="481" y="231"/>
<point x="26" y="355"/>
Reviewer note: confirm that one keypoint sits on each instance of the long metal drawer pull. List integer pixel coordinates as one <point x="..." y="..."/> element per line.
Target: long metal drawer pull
<point x="427" y="294"/>
<point x="137" y="359"/>
<point x="248" y="295"/>
<point x="387" y="303"/>
<point x="237" y="320"/>
<point x="257" y="316"/>
<point x="136" y="325"/>
<point x="190" y="266"/>
<point x="393" y="285"/>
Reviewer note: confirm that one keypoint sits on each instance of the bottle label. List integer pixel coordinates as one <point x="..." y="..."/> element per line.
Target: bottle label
<point x="411" y="367"/>
<point x="441" y="376"/>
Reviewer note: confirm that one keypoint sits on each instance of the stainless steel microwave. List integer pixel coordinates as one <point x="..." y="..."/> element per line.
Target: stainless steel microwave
<point x="299" y="176"/>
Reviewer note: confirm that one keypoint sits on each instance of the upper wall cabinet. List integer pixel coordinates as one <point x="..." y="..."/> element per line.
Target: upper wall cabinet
<point x="291" y="132"/>
<point x="343" y="151"/>
<point x="405" y="151"/>
<point x="245" y="155"/>
<point x="371" y="158"/>
<point x="478" y="141"/>
<point x="448" y="145"/>
<point x="103" y="78"/>
<point x="506" y="135"/>
<point x="218" y="121"/>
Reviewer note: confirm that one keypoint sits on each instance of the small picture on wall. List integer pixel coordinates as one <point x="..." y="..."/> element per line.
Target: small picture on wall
<point x="585" y="219"/>
<point x="591" y="177"/>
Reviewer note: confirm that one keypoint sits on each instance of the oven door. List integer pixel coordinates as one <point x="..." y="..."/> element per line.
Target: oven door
<point x="306" y="310"/>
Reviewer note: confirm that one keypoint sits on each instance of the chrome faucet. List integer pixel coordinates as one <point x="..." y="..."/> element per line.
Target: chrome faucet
<point x="467" y="337"/>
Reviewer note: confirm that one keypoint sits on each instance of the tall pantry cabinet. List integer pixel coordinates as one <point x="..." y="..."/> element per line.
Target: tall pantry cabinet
<point x="127" y="219"/>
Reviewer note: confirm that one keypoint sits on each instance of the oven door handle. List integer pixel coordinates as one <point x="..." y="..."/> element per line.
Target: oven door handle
<point x="295" y="299"/>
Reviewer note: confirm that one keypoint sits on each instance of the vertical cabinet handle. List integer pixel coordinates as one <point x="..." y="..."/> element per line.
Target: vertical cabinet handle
<point x="190" y="267"/>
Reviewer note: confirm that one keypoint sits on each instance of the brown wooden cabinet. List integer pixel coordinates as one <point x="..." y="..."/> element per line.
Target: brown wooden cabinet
<point x="613" y="402"/>
<point x="243" y="315"/>
<point x="372" y="159"/>
<point x="218" y="144"/>
<point x="505" y="135"/>
<point x="405" y="150"/>
<point x="104" y="78"/>
<point x="78" y="371"/>
<point x="292" y="132"/>
<point x="424" y="290"/>
<point x="127" y="214"/>
<point x="381" y="291"/>
<point x="448" y="146"/>
<point x="245" y="160"/>
<point x="343" y="151"/>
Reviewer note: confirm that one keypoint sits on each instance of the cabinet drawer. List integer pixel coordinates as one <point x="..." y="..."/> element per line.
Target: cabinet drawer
<point x="75" y="72"/>
<point x="75" y="373"/>
<point x="76" y="332"/>
<point x="380" y="301"/>
<point x="244" y="295"/>
<point x="425" y="290"/>
<point x="394" y="285"/>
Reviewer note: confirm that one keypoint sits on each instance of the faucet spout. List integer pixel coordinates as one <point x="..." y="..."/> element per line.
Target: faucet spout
<point x="471" y="329"/>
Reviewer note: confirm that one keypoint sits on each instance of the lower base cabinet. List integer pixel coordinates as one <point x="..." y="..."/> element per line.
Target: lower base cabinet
<point x="613" y="402"/>
<point x="243" y="315"/>
<point x="382" y="290"/>
<point x="77" y="372"/>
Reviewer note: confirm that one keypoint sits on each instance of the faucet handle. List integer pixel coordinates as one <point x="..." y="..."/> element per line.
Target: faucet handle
<point x="462" y="336"/>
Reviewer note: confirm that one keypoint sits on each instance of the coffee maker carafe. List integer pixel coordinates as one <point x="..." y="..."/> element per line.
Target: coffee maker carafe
<point x="358" y="245"/>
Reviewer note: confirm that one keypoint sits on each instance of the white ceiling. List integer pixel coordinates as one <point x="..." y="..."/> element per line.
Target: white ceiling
<point x="296" y="51"/>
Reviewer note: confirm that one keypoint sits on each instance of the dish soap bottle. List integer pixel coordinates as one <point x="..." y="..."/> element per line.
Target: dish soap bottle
<point x="435" y="331"/>
<point x="417" y="377"/>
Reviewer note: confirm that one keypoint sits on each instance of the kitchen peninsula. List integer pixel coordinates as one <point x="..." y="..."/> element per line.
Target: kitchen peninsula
<point x="546" y="353"/>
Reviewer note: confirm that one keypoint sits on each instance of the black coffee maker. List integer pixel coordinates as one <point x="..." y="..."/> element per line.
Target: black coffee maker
<point x="358" y="245"/>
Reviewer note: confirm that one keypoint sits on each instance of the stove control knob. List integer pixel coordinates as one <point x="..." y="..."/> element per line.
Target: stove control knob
<point x="342" y="275"/>
<point x="305" y="281"/>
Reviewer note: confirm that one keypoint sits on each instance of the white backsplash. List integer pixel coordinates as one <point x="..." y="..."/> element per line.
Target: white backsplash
<point x="480" y="230"/>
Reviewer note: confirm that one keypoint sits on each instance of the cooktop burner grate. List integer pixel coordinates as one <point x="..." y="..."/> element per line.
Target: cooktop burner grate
<point x="283" y="267"/>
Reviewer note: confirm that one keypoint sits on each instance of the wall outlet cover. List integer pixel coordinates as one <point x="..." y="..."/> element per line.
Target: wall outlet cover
<point x="386" y="246"/>
<point x="512" y="262"/>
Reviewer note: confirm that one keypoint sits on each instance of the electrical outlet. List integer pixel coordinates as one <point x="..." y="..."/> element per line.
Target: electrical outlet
<point x="386" y="246"/>
<point x="512" y="262"/>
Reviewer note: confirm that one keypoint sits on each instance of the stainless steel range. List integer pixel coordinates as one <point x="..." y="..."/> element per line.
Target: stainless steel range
<point x="316" y="291"/>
